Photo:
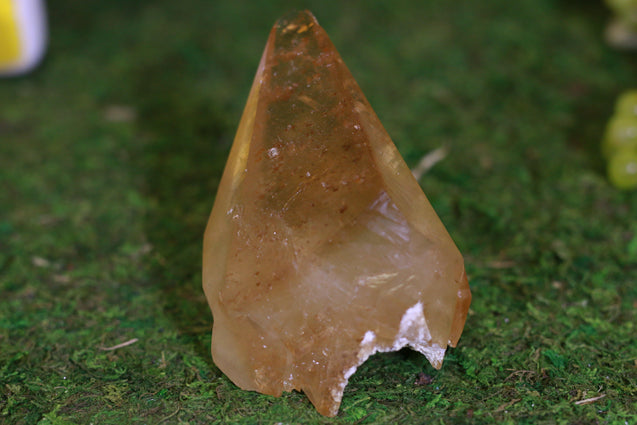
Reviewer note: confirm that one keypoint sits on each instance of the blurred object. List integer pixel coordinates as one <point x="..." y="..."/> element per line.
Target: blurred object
<point x="428" y="161"/>
<point x="626" y="105"/>
<point x="622" y="170"/>
<point x="23" y="35"/>
<point x="619" y="145"/>
<point x="622" y="30"/>
<point x="621" y="134"/>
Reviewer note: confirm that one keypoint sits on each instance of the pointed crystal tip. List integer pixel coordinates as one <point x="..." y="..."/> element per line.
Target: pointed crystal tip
<point x="295" y="20"/>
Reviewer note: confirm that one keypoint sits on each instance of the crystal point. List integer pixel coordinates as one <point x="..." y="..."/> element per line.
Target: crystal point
<point x="321" y="248"/>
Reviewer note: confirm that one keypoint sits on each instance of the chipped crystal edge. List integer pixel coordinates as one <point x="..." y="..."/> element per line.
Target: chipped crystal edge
<point x="413" y="317"/>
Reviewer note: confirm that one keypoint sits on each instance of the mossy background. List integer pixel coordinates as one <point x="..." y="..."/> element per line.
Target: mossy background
<point x="110" y="156"/>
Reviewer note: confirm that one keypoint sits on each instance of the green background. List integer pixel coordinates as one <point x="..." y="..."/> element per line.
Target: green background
<point x="110" y="156"/>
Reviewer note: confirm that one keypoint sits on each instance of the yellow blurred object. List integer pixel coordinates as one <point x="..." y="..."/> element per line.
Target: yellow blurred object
<point x="9" y="40"/>
<point x="619" y="144"/>
<point x="23" y="35"/>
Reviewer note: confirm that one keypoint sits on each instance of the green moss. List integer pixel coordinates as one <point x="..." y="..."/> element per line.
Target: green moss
<point x="101" y="220"/>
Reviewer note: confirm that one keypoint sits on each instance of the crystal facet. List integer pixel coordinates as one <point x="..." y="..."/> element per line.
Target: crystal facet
<point x="321" y="248"/>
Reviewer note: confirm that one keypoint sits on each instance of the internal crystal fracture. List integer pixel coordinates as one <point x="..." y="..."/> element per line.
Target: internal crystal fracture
<point x="321" y="248"/>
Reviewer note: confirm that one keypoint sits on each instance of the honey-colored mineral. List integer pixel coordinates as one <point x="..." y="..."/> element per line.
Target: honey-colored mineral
<point x="321" y="248"/>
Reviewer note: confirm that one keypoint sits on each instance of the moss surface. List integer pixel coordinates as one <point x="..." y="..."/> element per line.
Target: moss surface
<point x="111" y="152"/>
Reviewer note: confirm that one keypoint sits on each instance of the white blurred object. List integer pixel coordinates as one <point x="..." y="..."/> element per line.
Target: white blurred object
<point x="428" y="161"/>
<point x="620" y="35"/>
<point x="23" y="35"/>
<point x="621" y="32"/>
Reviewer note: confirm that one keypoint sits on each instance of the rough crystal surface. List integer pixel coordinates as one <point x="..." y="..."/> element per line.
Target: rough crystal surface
<point x="321" y="248"/>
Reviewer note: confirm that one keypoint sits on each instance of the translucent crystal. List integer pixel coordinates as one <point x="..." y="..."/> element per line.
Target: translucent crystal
<point x="321" y="248"/>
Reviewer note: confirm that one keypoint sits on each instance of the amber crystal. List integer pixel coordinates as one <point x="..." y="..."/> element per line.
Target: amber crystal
<point x="321" y="248"/>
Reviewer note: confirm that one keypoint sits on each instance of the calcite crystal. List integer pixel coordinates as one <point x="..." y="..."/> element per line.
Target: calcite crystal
<point x="321" y="248"/>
